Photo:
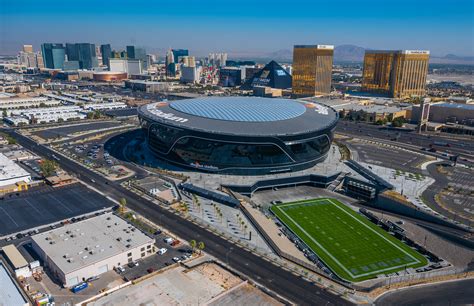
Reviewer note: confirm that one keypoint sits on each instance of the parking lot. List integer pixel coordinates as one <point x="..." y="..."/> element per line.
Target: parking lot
<point x="69" y="130"/>
<point x="388" y="156"/>
<point x="157" y="262"/>
<point x="45" y="205"/>
<point x="457" y="195"/>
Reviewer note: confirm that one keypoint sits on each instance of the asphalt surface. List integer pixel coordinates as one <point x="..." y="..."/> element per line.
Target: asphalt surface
<point x="464" y="146"/>
<point x="440" y="183"/>
<point x="448" y="293"/>
<point x="46" y="205"/>
<point x="67" y="130"/>
<point x="388" y="157"/>
<point x="283" y="282"/>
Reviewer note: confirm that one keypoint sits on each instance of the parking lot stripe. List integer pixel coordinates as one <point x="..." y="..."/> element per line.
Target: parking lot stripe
<point x="33" y="207"/>
<point x="62" y="204"/>
<point x="9" y="216"/>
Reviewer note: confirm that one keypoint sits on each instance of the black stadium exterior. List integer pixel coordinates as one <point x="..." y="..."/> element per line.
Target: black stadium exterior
<point x="239" y="135"/>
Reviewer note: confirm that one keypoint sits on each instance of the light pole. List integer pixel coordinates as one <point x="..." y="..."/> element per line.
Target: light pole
<point x="227" y="255"/>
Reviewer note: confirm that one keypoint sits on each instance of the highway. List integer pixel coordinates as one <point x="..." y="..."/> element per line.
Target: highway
<point x="281" y="281"/>
<point x="462" y="145"/>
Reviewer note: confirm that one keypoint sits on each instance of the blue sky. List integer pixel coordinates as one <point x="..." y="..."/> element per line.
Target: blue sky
<point x="242" y="27"/>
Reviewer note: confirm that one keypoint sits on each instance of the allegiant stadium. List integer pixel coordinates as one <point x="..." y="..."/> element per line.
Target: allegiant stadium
<point x="239" y="135"/>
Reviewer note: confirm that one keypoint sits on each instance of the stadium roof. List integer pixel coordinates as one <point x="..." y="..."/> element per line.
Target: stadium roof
<point x="241" y="109"/>
<point x="250" y="116"/>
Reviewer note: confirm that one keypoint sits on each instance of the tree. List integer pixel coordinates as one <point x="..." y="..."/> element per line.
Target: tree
<point x="11" y="140"/>
<point x="48" y="167"/>
<point x="398" y="122"/>
<point x="200" y="246"/>
<point x="193" y="244"/>
<point x="123" y="204"/>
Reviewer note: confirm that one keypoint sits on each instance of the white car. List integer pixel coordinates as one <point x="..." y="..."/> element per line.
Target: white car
<point x="169" y="240"/>
<point x="162" y="251"/>
<point x="120" y="269"/>
<point x="176" y="259"/>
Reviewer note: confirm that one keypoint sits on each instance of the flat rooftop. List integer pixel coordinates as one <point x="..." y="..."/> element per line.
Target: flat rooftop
<point x="10" y="170"/>
<point x="86" y="242"/>
<point x="9" y="292"/>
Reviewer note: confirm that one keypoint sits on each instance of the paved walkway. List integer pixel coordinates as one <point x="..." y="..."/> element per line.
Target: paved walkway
<point x="275" y="235"/>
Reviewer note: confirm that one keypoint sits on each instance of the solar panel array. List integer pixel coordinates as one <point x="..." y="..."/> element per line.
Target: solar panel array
<point x="243" y="109"/>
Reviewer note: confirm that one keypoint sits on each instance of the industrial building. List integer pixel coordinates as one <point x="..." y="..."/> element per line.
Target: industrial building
<point x="399" y="74"/>
<point x="50" y="114"/>
<point x="10" y="293"/>
<point x="14" y="103"/>
<point x="312" y="70"/>
<point x="239" y="135"/>
<point x="11" y="174"/>
<point x="147" y="86"/>
<point x="106" y="105"/>
<point x="88" y="248"/>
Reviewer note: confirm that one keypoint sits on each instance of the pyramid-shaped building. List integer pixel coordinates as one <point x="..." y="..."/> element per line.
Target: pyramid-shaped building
<point x="272" y="75"/>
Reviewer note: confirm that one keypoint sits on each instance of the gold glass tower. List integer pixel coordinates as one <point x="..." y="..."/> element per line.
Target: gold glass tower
<point x="312" y="69"/>
<point x="398" y="74"/>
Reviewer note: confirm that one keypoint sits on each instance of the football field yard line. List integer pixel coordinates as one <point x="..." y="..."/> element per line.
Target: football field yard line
<point x="343" y="267"/>
<point x="379" y="234"/>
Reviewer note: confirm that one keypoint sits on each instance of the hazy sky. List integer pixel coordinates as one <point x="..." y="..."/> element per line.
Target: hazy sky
<point x="241" y="26"/>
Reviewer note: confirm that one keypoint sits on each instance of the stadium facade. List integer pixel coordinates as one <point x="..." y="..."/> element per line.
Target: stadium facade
<point x="239" y="135"/>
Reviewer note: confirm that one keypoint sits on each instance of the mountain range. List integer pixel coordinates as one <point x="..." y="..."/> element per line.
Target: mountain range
<point x="355" y="54"/>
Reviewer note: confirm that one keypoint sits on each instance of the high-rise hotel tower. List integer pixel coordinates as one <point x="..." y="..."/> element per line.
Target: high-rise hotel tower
<point x="312" y="68"/>
<point x="398" y="74"/>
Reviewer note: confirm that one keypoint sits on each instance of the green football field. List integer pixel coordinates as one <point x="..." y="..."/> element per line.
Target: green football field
<point x="350" y="245"/>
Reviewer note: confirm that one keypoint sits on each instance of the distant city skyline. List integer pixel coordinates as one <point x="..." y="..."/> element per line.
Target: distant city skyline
<point x="247" y="28"/>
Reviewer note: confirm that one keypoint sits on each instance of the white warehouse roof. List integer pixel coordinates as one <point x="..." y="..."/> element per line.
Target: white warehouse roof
<point x="84" y="243"/>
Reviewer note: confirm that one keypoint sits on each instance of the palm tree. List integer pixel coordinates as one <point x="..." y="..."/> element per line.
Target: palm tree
<point x="200" y="246"/>
<point x="193" y="243"/>
<point x="122" y="203"/>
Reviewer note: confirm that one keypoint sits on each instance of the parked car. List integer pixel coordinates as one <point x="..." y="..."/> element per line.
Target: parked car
<point x="119" y="269"/>
<point x="133" y="264"/>
<point x="176" y="259"/>
<point x="162" y="251"/>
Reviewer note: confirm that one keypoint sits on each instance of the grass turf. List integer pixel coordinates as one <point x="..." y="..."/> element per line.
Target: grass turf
<point x="350" y="245"/>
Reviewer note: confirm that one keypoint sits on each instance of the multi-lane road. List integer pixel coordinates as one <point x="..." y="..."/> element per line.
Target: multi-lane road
<point x="458" y="144"/>
<point x="279" y="280"/>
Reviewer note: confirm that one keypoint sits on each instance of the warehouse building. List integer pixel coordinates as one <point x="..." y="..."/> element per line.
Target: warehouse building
<point x="10" y="293"/>
<point x="15" y="103"/>
<point x="91" y="247"/>
<point x="12" y="175"/>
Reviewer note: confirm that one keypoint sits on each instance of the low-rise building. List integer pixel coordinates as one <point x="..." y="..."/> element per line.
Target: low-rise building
<point x="50" y="114"/>
<point x="102" y="106"/>
<point x="10" y="293"/>
<point x="11" y="173"/>
<point x="14" y="103"/>
<point x="147" y="86"/>
<point x="88" y="248"/>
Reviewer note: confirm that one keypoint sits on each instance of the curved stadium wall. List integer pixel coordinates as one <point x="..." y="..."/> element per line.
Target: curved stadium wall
<point x="213" y="150"/>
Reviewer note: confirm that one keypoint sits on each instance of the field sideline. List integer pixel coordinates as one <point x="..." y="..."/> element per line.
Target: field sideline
<point x="350" y="245"/>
